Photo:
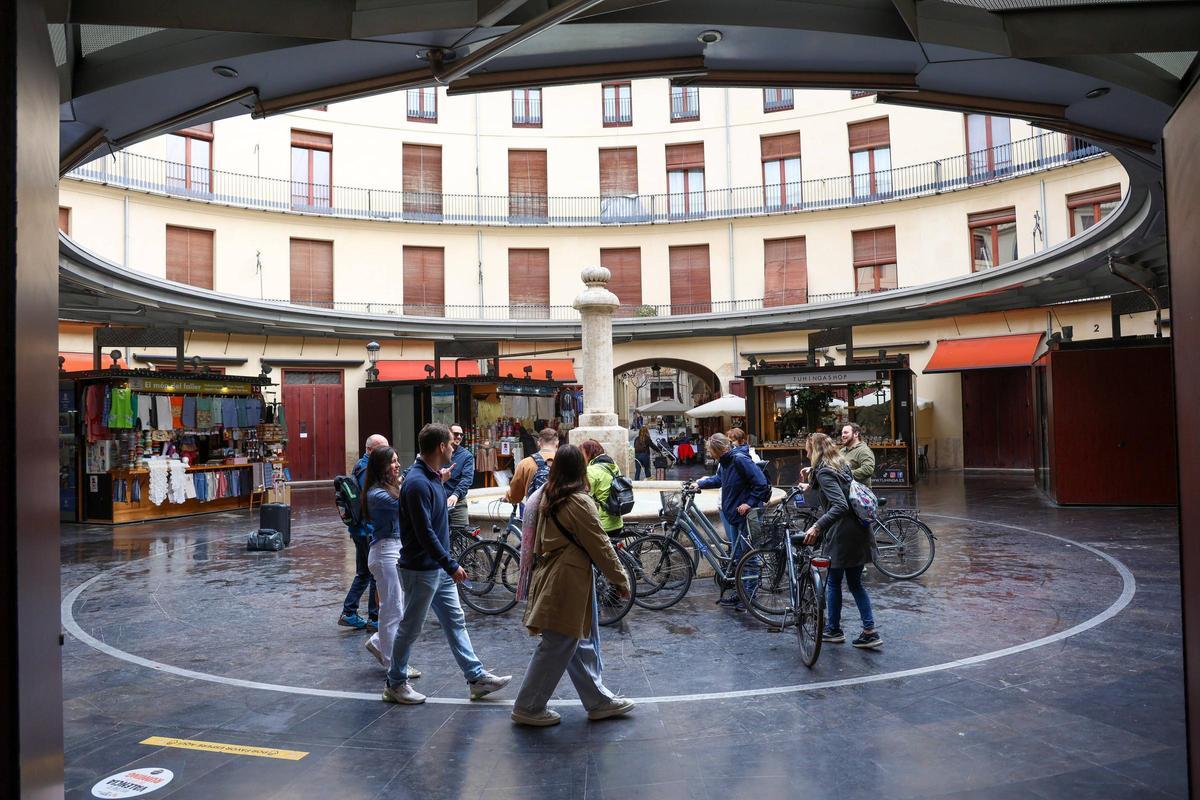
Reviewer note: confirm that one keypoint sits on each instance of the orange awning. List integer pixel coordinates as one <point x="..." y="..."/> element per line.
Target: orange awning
<point x="82" y="362"/>
<point x="986" y="352"/>
<point x="414" y="369"/>
<point x="563" y="369"/>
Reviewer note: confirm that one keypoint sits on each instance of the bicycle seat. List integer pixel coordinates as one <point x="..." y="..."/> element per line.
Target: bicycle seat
<point x="882" y="501"/>
<point x="797" y="539"/>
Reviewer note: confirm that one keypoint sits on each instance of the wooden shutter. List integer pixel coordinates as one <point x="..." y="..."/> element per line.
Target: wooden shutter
<point x="618" y="171"/>
<point x="422" y="179"/>
<point x="527" y="183"/>
<point x="190" y="256"/>
<point x="625" y="264"/>
<point x="1104" y="194"/>
<point x="685" y="156"/>
<point x="777" y="148"/>
<point x="425" y="281"/>
<point x="64" y="220"/>
<point x="874" y="247"/>
<point x="870" y="134"/>
<point x="691" y="290"/>
<point x="785" y="263"/>
<point x="320" y="141"/>
<point x="997" y="216"/>
<point x="528" y="277"/>
<point x="312" y="272"/>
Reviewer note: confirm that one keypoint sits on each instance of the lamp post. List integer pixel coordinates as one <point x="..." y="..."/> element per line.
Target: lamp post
<point x="372" y="359"/>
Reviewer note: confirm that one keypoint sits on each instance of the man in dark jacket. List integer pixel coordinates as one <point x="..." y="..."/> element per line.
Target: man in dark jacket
<point x="361" y="538"/>
<point x="462" y="475"/>
<point x="428" y="573"/>
<point x="743" y="487"/>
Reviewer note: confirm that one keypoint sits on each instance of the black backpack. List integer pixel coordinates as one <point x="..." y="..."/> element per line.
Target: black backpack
<point x="540" y="477"/>
<point x="348" y="498"/>
<point x="620" y="496"/>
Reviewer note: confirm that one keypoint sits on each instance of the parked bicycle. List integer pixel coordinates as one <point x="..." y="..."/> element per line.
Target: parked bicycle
<point x="696" y="536"/>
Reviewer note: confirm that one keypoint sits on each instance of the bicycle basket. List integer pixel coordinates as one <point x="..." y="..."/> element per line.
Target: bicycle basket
<point x="767" y="527"/>
<point x="671" y="502"/>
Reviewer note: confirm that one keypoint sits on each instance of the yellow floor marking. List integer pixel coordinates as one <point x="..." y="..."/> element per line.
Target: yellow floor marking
<point x="220" y="747"/>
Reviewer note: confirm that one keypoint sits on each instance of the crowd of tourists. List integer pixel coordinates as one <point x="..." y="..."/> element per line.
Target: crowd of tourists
<point x="405" y="564"/>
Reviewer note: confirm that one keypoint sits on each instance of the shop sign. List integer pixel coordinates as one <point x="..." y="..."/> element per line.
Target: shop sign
<point x="529" y="391"/>
<point x="818" y="378"/>
<point x="133" y="783"/>
<point x="187" y="386"/>
<point x="442" y="404"/>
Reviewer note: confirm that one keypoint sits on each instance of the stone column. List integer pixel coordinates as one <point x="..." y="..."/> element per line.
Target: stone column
<point x="596" y="305"/>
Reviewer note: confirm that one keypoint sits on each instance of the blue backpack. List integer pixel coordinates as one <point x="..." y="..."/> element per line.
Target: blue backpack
<point x="540" y="477"/>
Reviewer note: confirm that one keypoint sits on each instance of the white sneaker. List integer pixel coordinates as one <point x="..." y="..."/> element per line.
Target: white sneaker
<point x="613" y="708"/>
<point x="373" y="648"/>
<point x="487" y="683"/>
<point x="404" y="694"/>
<point x="538" y="719"/>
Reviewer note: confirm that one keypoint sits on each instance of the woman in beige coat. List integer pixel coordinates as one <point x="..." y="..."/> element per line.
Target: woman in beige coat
<point x="561" y="605"/>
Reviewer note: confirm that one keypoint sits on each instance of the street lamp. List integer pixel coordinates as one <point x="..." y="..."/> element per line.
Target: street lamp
<point x="372" y="358"/>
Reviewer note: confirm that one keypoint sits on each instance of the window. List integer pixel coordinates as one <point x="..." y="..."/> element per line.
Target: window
<point x="875" y="260"/>
<point x="312" y="169"/>
<point x="312" y="273"/>
<point x="529" y="283"/>
<point x="777" y="100"/>
<point x="1087" y="208"/>
<point x="685" y="179"/>
<point x="871" y="157"/>
<point x="189" y="159"/>
<point x="993" y="238"/>
<point x="425" y="281"/>
<point x="190" y="256"/>
<point x="619" y="200"/>
<point x="527" y="201"/>
<point x="422" y="181"/>
<point x="691" y="291"/>
<point x="527" y="108"/>
<point x="422" y="104"/>
<point x="855" y="94"/>
<point x="785" y="265"/>
<point x="989" y="145"/>
<point x="781" y="171"/>
<point x="617" y="104"/>
<point x="625" y="264"/>
<point x="64" y="220"/>
<point x="685" y="103"/>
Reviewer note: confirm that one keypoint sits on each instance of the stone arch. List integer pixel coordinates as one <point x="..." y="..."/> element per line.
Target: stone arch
<point x="699" y="370"/>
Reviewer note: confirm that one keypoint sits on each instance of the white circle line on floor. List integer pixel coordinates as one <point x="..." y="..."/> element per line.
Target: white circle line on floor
<point x="1129" y="588"/>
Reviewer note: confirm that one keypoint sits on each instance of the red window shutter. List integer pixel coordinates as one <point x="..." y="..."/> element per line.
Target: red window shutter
<point x="527" y="172"/>
<point x="874" y="247"/>
<point x="1104" y="194"/>
<point x="691" y="289"/>
<point x="618" y="171"/>
<point x="528" y="277"/>
<point x="190" y="256"/>
<point x="997" y="216"/>
<point x="786" y="272"/>
<point x="625" y="264"/>
<point x="320" y="141"/>
<point x="422" y="179"/>
<point x="685" y="156"/>
<point x="424" y="281"/>
<point x="64" y="220"/>
<point x="869" y="134"/>
<point x="312" y="272"/>
<point x="777" y="148"/>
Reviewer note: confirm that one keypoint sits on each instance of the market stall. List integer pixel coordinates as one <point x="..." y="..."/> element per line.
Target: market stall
<point x="786" y="401"/>
<point x="138" y="445"/>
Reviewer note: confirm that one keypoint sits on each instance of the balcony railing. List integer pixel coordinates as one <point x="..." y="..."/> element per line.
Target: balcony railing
<point x="1022" y="157"/>
<point x="618" y="111"/>
<point x="685" y="105"/>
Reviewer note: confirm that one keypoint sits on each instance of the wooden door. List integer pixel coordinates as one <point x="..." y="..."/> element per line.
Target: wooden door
<point x="998" y="418"/>
<point x="315" y="409"/>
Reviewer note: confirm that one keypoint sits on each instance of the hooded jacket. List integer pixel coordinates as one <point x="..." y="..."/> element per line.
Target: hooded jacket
<point x="741" y="481"/>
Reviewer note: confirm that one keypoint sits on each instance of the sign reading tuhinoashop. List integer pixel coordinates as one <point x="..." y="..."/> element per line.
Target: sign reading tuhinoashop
<point x="818" y="378"/>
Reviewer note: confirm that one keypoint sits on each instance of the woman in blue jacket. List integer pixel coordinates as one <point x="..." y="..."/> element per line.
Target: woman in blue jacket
<point x="743" y="487"/>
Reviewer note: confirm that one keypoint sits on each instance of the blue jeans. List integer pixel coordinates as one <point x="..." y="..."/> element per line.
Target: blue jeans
<point x="424" y="589"/>
<point x="833" y="596"/>
<point x="733" y="530"/>
<point x="362" y="581"/>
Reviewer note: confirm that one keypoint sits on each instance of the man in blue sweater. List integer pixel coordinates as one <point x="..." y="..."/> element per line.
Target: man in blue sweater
<point x="462" y="475"/>
<point x="361" y="538"/>
<point x="428" y="573"/>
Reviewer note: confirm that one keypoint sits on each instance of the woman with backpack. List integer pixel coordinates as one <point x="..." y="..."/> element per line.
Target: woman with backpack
<point x="562" y="599"/>
<point x="601" y="471"/>
<point x="845" y="540"/>
<point x="381" y="507"/>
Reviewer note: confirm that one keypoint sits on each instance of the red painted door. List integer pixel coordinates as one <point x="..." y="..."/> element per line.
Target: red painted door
<point x="997" y="418"/>
<point x="315" y="408"/>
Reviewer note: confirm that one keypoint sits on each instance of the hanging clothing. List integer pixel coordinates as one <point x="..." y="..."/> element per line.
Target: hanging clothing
<point x="145" y="408"/>
<point x="279" y="420"/>
<point x="93" y="410"/>
<point x="254" y="411"/>
<point x="189" y="486"/>
<point x="189" y="413"/>
<point x="162" y="409"/>
<point x="176" y="491"/>
<point x="229" y="414"/>
<point x="176" y="412"/>
<point x="204" y="413"/>
<point x="158" y="481"/>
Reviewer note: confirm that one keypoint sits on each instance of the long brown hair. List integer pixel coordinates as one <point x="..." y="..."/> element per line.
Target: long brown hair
<point x="822" y="452"/>
<point x="378" y="464"/>
<point x="591" y="448"/>
<point x="643" y="436"/>
<point x="568" y="476"/>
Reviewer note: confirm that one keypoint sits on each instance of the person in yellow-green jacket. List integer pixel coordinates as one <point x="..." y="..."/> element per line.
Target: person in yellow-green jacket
<point x="600" y="473"/>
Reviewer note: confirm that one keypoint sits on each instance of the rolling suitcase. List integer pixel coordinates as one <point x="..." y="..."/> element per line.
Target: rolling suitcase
<point x="277" y="517"/>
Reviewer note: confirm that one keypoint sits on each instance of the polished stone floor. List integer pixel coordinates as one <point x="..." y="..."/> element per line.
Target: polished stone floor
<point x="1023" y="664"/>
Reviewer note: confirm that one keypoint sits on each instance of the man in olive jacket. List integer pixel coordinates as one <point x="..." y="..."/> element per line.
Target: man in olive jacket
<point x="858" y="453"/>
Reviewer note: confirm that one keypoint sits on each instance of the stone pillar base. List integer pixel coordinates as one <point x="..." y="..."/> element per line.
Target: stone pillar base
<point x="614" y="438"/>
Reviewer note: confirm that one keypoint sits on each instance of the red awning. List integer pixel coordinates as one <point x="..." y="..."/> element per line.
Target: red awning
<point x="562" y="369"/>
<point x="82" y="362"/>
<point x="986" y="352"/>
<point x="414" y="369"/>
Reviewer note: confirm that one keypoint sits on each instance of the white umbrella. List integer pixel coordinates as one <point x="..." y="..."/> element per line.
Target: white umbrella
<point x="663" y="407"/>
<point x="729" y="405"/>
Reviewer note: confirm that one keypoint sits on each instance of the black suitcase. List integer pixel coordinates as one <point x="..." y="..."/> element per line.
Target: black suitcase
<point x="277" y="517"/>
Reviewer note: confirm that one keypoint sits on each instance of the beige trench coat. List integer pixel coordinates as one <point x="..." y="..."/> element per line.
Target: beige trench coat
<point x="560" y="591"/>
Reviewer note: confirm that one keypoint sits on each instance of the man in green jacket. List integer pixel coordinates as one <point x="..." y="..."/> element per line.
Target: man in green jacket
<point x="858" y="453"/>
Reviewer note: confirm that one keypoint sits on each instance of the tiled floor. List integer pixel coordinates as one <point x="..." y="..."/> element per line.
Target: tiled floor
<point x="1095" y="715"/>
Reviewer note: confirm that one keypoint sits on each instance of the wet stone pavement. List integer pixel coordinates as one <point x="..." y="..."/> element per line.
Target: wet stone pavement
<point x="183" y="616"/>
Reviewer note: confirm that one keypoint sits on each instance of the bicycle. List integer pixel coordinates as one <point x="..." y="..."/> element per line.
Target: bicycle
<point x="493" y="569"/>
<point x="760" y="577"/>
<point x="661" y="565"/>
<point x="693" y="527"/>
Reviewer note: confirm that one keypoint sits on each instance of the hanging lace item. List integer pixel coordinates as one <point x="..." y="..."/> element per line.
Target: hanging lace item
<point x="177" y="493"/>
<point x="158" y="482"/>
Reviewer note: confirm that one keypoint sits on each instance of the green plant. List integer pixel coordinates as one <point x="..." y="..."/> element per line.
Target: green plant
<point x="646" y="311"/>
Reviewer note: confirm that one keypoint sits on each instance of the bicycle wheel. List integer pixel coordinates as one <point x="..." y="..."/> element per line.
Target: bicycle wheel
<point x="612" y="607"/>
<point x="762" y="585"/>
<point x="664" y="572"/>
<point x="492" y="570"/>
<point x="904" y="547"/>
<point x="809" y="616"/>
